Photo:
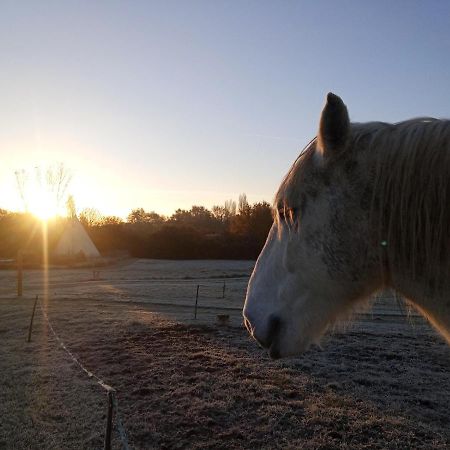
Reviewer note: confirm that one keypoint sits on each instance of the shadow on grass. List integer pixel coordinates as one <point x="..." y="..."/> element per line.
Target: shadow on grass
<point x="199" y="386"/>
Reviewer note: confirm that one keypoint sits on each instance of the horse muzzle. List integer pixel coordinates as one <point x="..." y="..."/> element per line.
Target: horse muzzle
<point x="267" y="335"/>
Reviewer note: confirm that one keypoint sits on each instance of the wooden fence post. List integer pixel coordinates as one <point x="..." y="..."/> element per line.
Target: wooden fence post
<point x="109" y="421"/>
<point x="19" y="273"/>
<point x="32" y="317"/>
<point x="196" y="302"/>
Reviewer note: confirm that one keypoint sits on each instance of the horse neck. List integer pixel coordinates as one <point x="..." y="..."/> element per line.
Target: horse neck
<point x="435" y="308"/>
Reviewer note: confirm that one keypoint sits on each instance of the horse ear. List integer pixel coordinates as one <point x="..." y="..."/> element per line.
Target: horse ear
<point x="334" y="128"/>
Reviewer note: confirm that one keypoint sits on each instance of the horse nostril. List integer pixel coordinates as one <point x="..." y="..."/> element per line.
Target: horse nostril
<point x="273" y="328"/>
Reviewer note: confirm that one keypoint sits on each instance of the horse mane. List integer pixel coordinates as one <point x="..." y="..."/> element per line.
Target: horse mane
<point x="411" y="195"/>
<point x="409" y="176"/>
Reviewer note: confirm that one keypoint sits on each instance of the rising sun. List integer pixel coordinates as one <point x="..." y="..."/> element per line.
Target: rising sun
<point x="43" y="205"/>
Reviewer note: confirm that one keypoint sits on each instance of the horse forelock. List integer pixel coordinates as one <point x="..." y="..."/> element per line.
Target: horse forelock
<point x="288" y="193"/>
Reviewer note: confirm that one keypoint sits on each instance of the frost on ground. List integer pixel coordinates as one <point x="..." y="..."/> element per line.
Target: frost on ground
<point x="192" y="384"/>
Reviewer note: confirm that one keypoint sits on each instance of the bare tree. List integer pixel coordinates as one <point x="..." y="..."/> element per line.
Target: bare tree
<point x="244" y="207"/>
<point x="54" y="180"/>
<point x="90" y="217"/>
<point x="219" y="212"/>
<point x="225" y="212"/>
<point x="58" y="178"/>
<point x="110" y="220"/>
<point x="139" y="215"/>
<point x="71" y="208"/>
<point x="230" y="206"/>
<point x="21" y="180"/>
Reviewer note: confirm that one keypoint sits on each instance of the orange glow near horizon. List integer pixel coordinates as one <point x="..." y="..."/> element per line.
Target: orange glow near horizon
<point x="107" y="190"/>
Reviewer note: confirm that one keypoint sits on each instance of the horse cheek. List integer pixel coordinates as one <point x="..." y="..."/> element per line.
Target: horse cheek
<point x="290" y="256"/>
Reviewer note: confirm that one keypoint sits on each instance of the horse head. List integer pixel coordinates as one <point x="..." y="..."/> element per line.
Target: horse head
<point x="318" y="258"/>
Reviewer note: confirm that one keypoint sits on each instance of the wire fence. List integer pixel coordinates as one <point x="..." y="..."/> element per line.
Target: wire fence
<point x="113" y="405"/>
<point x="226" y="294"/>
<point x="176" y="288"/>
<point x="219" y="294"/>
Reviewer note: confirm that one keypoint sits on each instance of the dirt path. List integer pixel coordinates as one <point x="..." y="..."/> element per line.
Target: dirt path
<point x="185" y="385"/>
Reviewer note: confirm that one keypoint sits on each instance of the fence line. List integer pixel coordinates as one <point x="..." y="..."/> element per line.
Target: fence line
<point x="109" y="389"/>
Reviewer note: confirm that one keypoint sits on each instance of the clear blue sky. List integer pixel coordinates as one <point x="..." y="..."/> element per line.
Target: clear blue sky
<point x="168" y="104"/>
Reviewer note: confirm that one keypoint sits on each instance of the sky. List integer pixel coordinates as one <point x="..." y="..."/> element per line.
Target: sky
<point x="168" y="104"/>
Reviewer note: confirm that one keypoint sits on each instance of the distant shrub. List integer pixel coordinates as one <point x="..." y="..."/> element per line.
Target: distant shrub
<point x="194" y="234"/>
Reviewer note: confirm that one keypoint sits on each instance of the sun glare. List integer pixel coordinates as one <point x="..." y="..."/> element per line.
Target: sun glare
<point x="42" y="205"/>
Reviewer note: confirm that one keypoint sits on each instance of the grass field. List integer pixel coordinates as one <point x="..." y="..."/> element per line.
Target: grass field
<point x="185" y="383"/>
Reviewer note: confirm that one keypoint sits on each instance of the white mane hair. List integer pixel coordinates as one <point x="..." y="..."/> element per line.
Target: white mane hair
<point x="409" y="173"/>
<point x="411" y="194"/>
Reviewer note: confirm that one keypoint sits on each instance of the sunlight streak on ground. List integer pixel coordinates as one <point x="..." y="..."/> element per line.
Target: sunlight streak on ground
<point x="45" y="262"/>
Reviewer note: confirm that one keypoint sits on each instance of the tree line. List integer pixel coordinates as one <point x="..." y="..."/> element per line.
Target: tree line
<point x="231" y="231"/>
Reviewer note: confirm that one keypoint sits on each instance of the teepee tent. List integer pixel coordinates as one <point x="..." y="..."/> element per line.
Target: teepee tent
<point x="75" y="241"/>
